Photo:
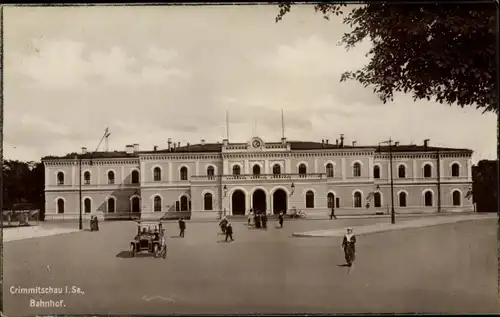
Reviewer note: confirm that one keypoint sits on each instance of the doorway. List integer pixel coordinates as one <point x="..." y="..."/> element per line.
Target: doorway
<point x="238" y="203"/>
<point x="259" y="201"/>
<point x="136" y="204"/>
<point x="279" y="202"/>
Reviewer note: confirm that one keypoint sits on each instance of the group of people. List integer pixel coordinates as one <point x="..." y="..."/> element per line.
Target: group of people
<point x="259" y="219"/>
<point x="226" y="228"/>
<point x="94" y="224"/>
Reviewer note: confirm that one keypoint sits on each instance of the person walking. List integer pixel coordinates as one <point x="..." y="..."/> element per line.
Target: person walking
<point x="182" y="227"/>
<point x="223" y="224"/>
<point x="250" y="217"/>
<point x="332" y="214"/>
<point x="349" y="246"/>
<point x="229" y="231"/>
<point x="264" y="220"/>
<point x="280" y="219"/>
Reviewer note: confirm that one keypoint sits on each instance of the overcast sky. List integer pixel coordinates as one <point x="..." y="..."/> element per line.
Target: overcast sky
<point x="149" y="73"/>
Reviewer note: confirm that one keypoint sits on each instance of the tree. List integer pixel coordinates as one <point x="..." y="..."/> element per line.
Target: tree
<point x="440" y="51"/>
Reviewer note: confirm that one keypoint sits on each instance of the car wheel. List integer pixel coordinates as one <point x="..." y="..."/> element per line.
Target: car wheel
<point x="155" y="250"/>
<point x="132" y="250"/>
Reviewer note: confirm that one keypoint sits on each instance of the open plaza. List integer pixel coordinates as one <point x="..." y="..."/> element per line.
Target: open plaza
<point x="440" y="264"/>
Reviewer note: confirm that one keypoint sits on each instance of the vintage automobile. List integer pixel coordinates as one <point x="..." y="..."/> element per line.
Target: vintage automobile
<point x="150" y="237"/>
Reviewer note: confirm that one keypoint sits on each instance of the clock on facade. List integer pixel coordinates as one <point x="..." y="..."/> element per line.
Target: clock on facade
<point x="256" y="143"/>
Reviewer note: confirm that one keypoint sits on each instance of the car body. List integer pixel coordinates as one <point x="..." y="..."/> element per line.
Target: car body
<point x="150" y="237"/>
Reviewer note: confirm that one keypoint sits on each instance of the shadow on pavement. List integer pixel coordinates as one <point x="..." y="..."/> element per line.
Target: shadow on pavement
<point x="175" y="237"/>
<point x="126" y="255"/>
<point x="343" y="265"/>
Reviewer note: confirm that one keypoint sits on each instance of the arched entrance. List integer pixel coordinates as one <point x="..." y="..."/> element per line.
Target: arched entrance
<point x="238" y="203"/>
<point x="136" y="204"/>
<point x="279" y="201"/>
<point x="259" y="201"/>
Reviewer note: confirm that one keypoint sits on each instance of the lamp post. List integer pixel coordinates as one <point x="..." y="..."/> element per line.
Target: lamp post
<point x="292" y="187"/>
<point x="393" y="216"/>
<point x="225" y="194"/>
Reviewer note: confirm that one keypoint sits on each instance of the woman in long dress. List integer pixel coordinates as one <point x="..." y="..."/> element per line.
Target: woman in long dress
<point x="349" y="246"/>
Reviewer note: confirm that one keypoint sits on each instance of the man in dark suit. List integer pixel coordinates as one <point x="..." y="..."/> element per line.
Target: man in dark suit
<point x="182" y="227"/>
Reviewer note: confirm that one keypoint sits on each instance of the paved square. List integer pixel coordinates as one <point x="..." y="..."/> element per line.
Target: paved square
<point x="449" y="268"/>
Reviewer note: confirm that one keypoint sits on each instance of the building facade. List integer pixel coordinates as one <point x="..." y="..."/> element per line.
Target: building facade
<point x="271" y="177"/>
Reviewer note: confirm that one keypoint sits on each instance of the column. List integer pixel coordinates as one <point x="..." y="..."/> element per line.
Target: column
<point x="315" y="165"/>
<point x="98" y="171"/>
<point x="342" y="161"/>
<point x="170" y="171"/>
<point x="123" y="174"/>
<point x="197" y="168"/>
<point x="266" y="167"/>
<point x="469" y="170"/>
<point x="246" y="168"/>
<point x="225" y="167"/>
<point x="441" y="169"/>
<point x="414" y="169"/>
<point x="370" y="168"/>
<point x="288" y="166"/>
<point x="143" y="172"/>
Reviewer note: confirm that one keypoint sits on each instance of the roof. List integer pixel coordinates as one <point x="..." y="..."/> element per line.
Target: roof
<point x="294" y="146"/>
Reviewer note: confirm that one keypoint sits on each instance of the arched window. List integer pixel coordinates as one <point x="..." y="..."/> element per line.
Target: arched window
<point x="135" y="177"/>
<point x="402" y="199"/>
<point x="60" y="206"/>
<point x="276" y="169"/>
<point x="60" y="178"/>
<point x="184" y="203"/>
<point x="236" y="170"/>
<point x="207" y="199"/>
<point x="376" y="171"/>
<point x="309" y="199"/>
<point x="87" y="204"/>
<point x="329" y="170"/>
<point x="256" y="169"/>
<point x="356" y="170"/>
<point x="111" y="204"/>
<point x="210" y="172"/>
<point x="457" y="198"/>
<point x="86" y="178"/>
<point x="330" y="200"/>
<point x="157" y="203"/>
<point x="157" y="174"/>
<point x="184" y="173"/>
<point x="357" y="199"/>
<point x="455" y="170"/>
<point x="428" y="199"/>
<point x="302" y="170"/>
<point x="402" y="171"/>
<point x="377" y="200"/>
<point x="111" y="177"/>
<point x="427" y="170"/>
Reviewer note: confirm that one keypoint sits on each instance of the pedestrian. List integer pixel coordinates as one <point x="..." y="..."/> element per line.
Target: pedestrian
<point x="229" y="231"/>
<point x="264" y="220"/>
<point x="349" y="246"/>
<point x="223" y="224"/>
<point x="182" y="227"/>
<point x="250" y="217"/>
<point x="332" y="214"/>
<point x="257" y="220"/>
<point x="280" y="219"/>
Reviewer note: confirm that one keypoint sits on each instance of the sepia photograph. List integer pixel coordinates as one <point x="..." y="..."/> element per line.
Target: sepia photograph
<point x="263" y="158"/>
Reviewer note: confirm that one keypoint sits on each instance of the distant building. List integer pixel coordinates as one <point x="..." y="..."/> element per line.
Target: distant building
<point x="485" y="185"/>
<point x="271" y="177"/>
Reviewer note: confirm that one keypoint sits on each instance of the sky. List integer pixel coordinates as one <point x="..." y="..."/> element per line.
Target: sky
<point x="150" y="73"/>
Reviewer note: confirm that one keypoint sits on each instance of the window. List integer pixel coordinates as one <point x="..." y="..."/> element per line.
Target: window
<point x="60" y="178"/>
<point x="402" y="199"/>
<point x="60" y="206"/>
<point x="455" y="170"/>
<point x="135" y="177"/>
<point x="330" y="200"/>
<point x="356" y="170"/>
<point x="427" y="170"/>
<point x="207" y="199"/>
<point x="309" y="199"/>
<point x="276" y="169"/>
<point x="329" y="170"/>
<point x="337" y="202"/>
<point x="256" y="169"/>
<point x="184" y="173"/>
<point x="302" y="170"/>
<point x="184" y="203"/>
<point x="377" y="200"/>
<point x="111" y="177"/>
<point x="428" y="199"/>
<point x="236" y="170"/>
<point x="157" y="203"/>
<point x="86" y="178"/>
<point x="357" y="199"/>
<point x="402" y="171"/>
<point x="210" y="172"/>
<point x="457" y="199"/>
<point x="376" y="171"/>
<point x="111" y="205"/>
<point x="157" y="174"/>
<point x="87" y="205"/>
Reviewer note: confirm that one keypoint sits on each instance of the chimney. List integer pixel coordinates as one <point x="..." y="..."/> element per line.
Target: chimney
<point x="202" y="141"/>
<point x="136" y="147"/>
<point x="283" y="141"/>
<point x="84" y="150"/>
<point x="322" y="141"/>
<point x="426" y="143"/>
<point x="341" y="140"/>
<point x="175" y="146"/>
<point x="129" y="149"/>
<point x="155" y="148"/>
<point x="396" y="143"/>
<point x="337" y="142"/>
<point x="225" y="142"/>
<point x="326" y="141"/>
<point x="353" y="143"/>
<point x="169" y="144"/>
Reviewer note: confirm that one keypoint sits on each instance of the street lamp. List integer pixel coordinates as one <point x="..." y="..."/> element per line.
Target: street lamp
<point x="393" y="216"/>
<point x="225" y="194"/>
